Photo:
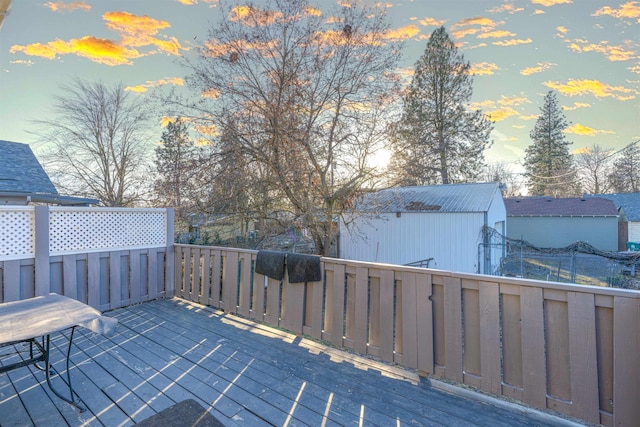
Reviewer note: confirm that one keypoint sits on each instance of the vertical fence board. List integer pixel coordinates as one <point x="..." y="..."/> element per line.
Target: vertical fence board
<point x="93" y="280"/>
<point x="360" y="297"/>
<point x="259" y="288"/>
<point x="187" y="279"/>
<point x="115" y="296"/>
<point x="557" y="350"/>
<point x="512" y="340"/>
<point x="69" y="278"/>
<point x="178" y="255"/>
<point x="230" y="282"/>
<point x="153" y="273"/>
<point x="437" y="300"/>
<point x="604" y="338"/>
<point x="409" y="304"/>
<point x="471" y="331"/>
<point x="206" y="277"/>
<point x="350" y="314"/>
<point x="216" y="279"/>
<point x="196" y="270"/>
<point x="11" y="280"/>
<point x="626" y="364"/>
<point x="374" y="317"/>
<point x="272" y="315"/>
<point x="313" y="309"/>
<point x="387" y="321"/>
<point x="453" y="328"/>
<point x="337" y="303"/>
<point x="134" y="265"/>
<point x="489" y="300"/>
<point x="424" y="319"/>
<point x="292" y="310"/>
<point x="42" y="261"/>
<point x="533" y="344"/>
<point x="244" y="298"/>
<point x="583" y="356"/>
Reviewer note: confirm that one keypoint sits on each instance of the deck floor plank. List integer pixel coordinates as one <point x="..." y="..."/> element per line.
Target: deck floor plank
<point x="170" y="350"/>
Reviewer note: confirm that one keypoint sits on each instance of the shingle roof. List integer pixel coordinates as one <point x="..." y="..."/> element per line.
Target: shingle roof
<point x="473" y="197"/>
<point x="629" y="202"/>
<point x="21" y="172"/>
<point x="565" y="206"/>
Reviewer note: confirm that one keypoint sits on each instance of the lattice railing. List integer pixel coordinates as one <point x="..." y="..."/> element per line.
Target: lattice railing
<point x="74" y="230"/>
<point x="17" y="232"/>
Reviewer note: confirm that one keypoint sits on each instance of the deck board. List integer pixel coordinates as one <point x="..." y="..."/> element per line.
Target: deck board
<point x="167" y="351"/>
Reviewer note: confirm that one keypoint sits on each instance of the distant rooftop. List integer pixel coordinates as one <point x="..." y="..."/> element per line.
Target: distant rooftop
<point x="473" y="197"/>
<point x="565" y="206"/>
<point x="629" y="202"/>
<point x="23" y="180"/>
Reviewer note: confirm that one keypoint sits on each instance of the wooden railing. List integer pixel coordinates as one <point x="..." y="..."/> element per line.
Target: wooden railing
<point x="570" y="348"/>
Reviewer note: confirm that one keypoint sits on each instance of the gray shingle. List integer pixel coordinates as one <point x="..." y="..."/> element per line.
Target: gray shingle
<point x="564" y="206"/>
<point x="629" y="202"/>
<point x="20" y="170"/>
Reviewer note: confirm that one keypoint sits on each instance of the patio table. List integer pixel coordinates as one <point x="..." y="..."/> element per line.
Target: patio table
<point x="32" y="321"/>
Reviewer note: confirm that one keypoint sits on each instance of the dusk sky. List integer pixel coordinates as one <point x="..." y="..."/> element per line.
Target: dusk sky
<point x="586" y="50"/>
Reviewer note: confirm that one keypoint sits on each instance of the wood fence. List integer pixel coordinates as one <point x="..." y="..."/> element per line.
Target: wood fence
<point x="570" y="348"/>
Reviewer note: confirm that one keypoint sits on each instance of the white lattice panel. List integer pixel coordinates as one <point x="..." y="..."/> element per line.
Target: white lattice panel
<point x="17" y="233"/>
<point x="104" y="229"/>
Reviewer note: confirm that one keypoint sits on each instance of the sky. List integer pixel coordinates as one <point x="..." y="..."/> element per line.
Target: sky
<point x="588" y="51"/>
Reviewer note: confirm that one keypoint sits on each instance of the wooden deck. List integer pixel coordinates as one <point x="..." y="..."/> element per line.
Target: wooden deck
<point x="167" y="351"/>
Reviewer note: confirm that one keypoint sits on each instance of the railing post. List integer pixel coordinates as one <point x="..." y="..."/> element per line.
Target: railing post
<point x="169" y="275"/>
<point x="42" y="262"/>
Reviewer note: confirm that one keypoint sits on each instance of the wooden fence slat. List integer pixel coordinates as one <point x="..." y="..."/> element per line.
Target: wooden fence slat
<point x="206" y="276"/>
<point x="293" y="307"/>
<point x="583" y="356"/>
<point x="115" y="282"/>
<point x="453" y="328"/>
<point x="387" y="321"/>
<point x="409" y="320"/>
<point x="134" y="266"/>
<point x="178" y="255"/>
<point x="471" y="335"/>
<point x="424" y="319"/>
<point x="258" y="309"/>
<point x="11" y="280"/>
<point x="556" y="318"/>
<point x="93" y="279"/>
<point x="491" y="380"/>
<point x="216" y="279"/>
<point x="272" y="315"/>
<point x="626" y="364"/>
<point x="244" y="303"/>
<point x="361" y="296"/>
<point x="313" y="309"/>
<point x="195" y="291"/>
<point x="533" y="363"/>
<point x="152" y="260"/>
<point x="230" y="282"/>
<point x="70" y="280"/>
<point x="337" y="303"/>
<point x="187" y="280"/>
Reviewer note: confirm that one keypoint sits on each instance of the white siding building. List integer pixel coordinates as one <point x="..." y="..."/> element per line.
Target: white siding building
<point x="443" y="223"/>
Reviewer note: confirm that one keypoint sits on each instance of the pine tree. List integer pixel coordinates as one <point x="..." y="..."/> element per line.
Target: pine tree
<point x="548" y="163"/>
<point x="176" y="161"/>
<point x="438" y="140"/>
<point x="625" y="177"/>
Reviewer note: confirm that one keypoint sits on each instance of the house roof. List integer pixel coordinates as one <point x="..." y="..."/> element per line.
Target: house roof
<point x="472" y="197"/>
<point x="629" y="202"/>
<point x="565" y="206"/>
<point x="21" y="172"/>
<point x="23" y="178"/>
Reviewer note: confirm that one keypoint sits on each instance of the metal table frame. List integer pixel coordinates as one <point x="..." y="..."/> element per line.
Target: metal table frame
<point x="42" y="345"/>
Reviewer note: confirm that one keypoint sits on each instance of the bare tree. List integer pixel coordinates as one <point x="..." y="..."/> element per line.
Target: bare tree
<point x="625" y="174"/>
<point x="96" y="144"/>
<point x="511" y="183"/>
<point x="303" y="97"/>
<point x="594" y="169"/>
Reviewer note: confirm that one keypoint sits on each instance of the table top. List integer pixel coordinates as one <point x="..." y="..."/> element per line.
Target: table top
<point x="39" y="316"/>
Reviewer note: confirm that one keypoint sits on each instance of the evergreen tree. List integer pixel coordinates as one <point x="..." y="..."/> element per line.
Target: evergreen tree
<point x="176" y="162"/>
<point x="548" y="163"/>
<point x="625" y="177"/>
<point x="438" y="140"/>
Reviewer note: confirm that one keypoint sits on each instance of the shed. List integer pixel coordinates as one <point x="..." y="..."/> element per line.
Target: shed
<point x="550" y="222"/>
<point x="24" y="181"/>
<point x="628" y="205"/>
<point x="444" y="224"/>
